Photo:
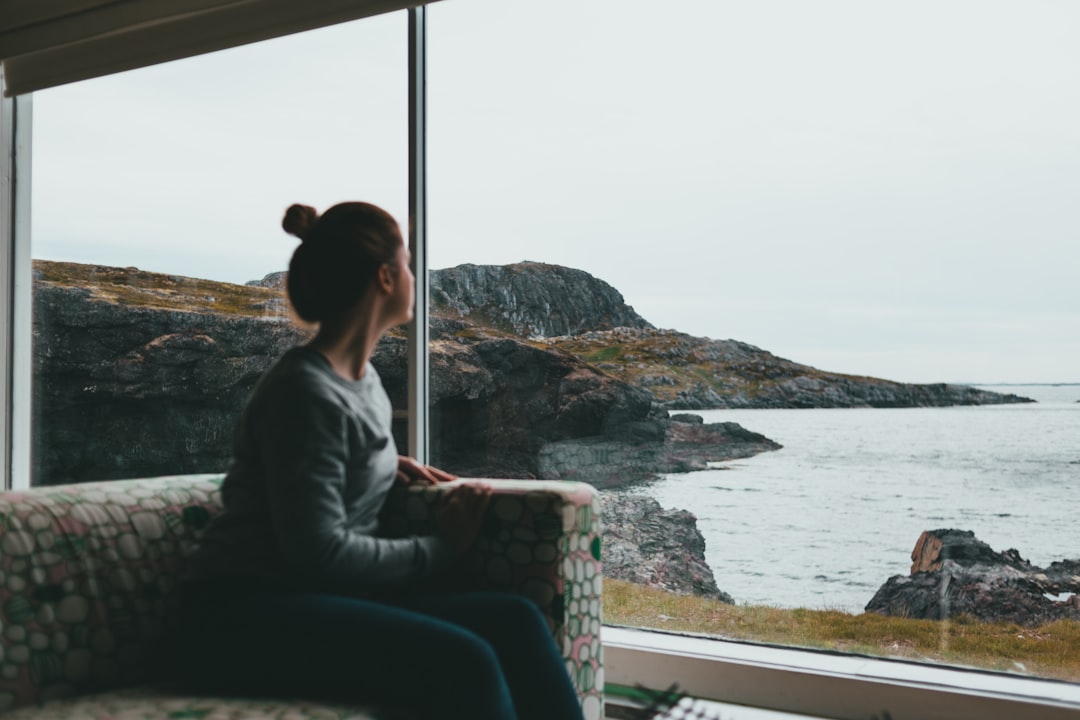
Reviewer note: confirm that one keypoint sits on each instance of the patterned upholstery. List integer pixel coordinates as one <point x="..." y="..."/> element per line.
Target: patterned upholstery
<point x="541" y="538"/>
<point x="146" y="703"/>
<point x="87" y="573"/>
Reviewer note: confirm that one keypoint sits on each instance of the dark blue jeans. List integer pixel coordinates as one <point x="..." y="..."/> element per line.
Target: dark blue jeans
<point x="482" y="656"/>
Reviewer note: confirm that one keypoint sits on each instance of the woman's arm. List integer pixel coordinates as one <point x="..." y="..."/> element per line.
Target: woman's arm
<point x="305" y="454"/>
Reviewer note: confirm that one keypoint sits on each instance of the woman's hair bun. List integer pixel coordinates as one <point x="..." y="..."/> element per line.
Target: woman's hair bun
<point x="299" y="219"/>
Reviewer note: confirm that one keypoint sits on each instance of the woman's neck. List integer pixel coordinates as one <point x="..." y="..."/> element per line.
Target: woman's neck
<point x="346" y="345"/>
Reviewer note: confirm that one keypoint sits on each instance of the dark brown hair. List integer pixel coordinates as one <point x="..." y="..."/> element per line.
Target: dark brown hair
<point x="340" y="253"/>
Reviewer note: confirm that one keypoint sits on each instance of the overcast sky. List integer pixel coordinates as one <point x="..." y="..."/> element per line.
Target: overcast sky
<point x="887" y="189"/>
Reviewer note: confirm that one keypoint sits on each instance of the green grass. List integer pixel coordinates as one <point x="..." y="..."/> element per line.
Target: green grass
<point x="1047" y="651"/>
<point x="607" y="354"/>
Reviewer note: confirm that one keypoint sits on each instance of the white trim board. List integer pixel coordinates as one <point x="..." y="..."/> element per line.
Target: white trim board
<point x="827" y="684"/>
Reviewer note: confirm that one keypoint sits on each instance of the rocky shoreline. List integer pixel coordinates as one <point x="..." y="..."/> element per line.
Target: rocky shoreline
<point x="954" y="574"/>
<point x="684" y="372"/>
<point x="650" y="545"/>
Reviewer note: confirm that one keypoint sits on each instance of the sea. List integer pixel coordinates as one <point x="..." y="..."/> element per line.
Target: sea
<point x="825" y="521"/>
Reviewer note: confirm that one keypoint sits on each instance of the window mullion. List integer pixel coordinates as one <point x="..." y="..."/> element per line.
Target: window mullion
<point x="15" y="278"/>
<point x="418" y="329"/>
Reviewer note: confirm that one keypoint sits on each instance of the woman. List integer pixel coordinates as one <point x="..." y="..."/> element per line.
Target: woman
<point x="291" y="591"/>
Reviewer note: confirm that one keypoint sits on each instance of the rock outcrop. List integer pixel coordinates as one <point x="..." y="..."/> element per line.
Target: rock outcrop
<point x="953" y="573"/>
<point x="649" y="545"/>
<point x="645" y="448"/>
<point x="530" y="299"/>
<point x="127" y="386"/>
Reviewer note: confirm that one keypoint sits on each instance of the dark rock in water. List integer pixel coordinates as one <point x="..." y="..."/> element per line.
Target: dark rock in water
<point x="934" y="547"/>
<point x="687" y="418"/>
<point x="954" y="573"/>
<point x="648" y="545"/>
<point x="630" y="454"/>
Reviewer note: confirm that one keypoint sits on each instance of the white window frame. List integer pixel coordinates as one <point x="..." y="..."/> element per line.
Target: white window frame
<point x="16" y="123"/>
<point x="783" y="679"/>
<point x="827" y="684"/>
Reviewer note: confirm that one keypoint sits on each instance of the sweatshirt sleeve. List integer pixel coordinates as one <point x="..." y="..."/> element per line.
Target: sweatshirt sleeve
<point x="306" y="454"/>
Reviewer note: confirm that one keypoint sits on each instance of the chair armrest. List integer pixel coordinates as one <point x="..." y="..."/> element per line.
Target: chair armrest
<point x="540" y="539"/>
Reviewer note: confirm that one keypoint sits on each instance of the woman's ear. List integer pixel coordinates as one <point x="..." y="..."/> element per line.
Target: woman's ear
<point x="386" y="278"/>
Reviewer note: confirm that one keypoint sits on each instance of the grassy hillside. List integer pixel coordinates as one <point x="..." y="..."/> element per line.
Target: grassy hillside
<point x="666" y="361"/>
<point x="139" y="288"/>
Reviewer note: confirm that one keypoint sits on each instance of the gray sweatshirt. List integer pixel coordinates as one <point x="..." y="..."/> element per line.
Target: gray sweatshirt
<point x="313" y="459"/>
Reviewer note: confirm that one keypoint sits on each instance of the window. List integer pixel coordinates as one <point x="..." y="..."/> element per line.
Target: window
<point x="499" y="175"/>
<point x="157" y="197"/>
<point x="860" y="189"/>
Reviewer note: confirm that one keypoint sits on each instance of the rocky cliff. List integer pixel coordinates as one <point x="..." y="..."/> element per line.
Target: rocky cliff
<point x="131" y="385"/>
<point x="650" y="545"/>
<point x="955" y="574"/>
<point x="531" y="300"/>
<point x="126" y="385"/>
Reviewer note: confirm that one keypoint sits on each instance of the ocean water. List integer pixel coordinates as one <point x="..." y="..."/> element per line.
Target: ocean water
<point x="825" y="521"/>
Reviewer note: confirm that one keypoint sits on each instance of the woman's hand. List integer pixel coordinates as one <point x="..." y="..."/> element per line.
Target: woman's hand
<point x="460" y="515"/>
<point x="411" y="472"/>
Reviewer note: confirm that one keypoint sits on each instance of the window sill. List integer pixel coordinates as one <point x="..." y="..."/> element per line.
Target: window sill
<point x="826" y="684"/>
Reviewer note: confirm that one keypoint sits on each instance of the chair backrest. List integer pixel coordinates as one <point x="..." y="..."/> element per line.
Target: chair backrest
<point x="86" y="573"/>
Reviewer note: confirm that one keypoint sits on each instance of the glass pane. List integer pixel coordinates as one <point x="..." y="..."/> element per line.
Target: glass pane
<point x="157" y="201"/>
<point x="876" y="204"/>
